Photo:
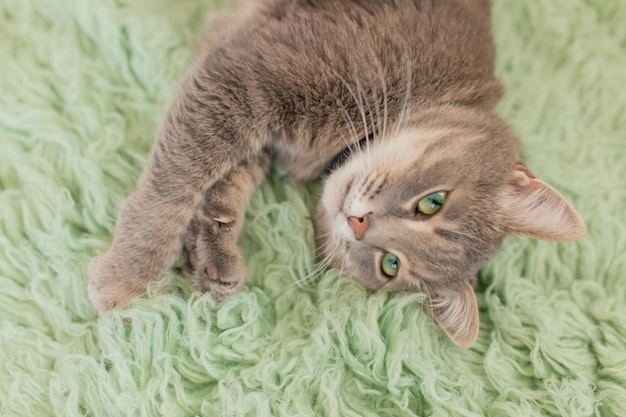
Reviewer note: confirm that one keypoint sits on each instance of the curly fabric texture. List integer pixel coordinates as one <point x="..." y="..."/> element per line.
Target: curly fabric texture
<point x="83" y="87"/>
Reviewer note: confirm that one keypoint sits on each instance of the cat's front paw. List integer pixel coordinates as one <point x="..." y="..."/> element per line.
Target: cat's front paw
<point x="109" y="288"/>
<point x="215" y="264"/>
<point x="217" y="271"/>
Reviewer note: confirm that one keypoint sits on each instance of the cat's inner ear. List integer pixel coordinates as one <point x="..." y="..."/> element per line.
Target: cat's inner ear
<point x="456" y="311"/>
<point x="534" y="209"/>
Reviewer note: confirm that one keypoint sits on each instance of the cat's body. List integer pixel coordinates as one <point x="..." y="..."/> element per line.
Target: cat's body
<point x="407" y="84"/>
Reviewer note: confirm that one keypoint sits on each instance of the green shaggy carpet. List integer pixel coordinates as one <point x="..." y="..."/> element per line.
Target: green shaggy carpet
<point x="83" y="87"/>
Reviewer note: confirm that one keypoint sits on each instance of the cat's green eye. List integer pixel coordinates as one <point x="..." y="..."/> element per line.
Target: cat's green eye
<point x="390" y="264"/>
<point x="432" y="202"/>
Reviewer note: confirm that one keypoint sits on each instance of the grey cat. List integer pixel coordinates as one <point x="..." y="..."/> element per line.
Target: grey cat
<point x="394" y="98"/>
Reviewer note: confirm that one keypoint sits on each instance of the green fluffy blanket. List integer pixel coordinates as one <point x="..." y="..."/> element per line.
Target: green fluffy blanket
<point x="83" y="87"/>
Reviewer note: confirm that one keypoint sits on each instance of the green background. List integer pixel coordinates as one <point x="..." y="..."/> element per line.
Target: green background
<point x="83" y="87"/>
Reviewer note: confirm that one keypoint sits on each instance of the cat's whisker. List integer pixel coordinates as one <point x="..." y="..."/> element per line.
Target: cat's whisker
<point x="403" y="113"/>
<point x="360" y="100"/>
<point x="424" y="287"/>
<point x="374" y="122"/>
<point x="353" y="150"/>
<point x="359" y="103"/>
<point x="320" y="266"/>
<point x="404" y="110"/>
<point x="380" y="107"/>
<point x="309" y="277"/>
<point x="350" y="124"/>
<point x="375" y="132"/>
<point x="343" y="264"/>
<point x="324" y="246"/>
<point x="385" y="97"/>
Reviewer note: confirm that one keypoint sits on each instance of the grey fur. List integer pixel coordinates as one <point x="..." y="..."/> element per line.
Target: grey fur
<point x="303" y="79"/>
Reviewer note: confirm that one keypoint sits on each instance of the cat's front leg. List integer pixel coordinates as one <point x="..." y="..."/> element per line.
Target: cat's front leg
<point x="148" y="234"/>
<point x="215" y="264"/>
<point x="207" y="132"/>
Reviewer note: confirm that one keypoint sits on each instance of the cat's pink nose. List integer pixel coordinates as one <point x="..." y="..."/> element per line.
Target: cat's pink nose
<point x="359" y="225"/>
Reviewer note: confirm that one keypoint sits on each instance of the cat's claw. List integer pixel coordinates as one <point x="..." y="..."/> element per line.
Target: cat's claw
<point x="224" y="219"/>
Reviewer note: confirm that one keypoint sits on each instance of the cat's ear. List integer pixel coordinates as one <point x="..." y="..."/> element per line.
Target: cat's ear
<point x="534" y="209"/>
<point x="456" y="311"/>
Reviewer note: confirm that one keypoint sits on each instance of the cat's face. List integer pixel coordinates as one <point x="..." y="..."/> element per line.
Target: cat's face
<point x="423" y="209"/>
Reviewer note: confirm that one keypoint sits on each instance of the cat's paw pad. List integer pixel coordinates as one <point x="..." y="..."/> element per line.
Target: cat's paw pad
<point x="220" y="286"/>
<point x="220" y="274"/>
<point x="108" y="288"/>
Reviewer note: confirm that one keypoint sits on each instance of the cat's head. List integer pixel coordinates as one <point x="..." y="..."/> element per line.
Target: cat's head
<point x="424" y="207"/>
